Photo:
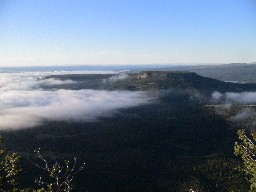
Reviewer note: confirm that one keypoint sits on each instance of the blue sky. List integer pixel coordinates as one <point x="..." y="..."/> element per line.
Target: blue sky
<point x="65" y="32"/>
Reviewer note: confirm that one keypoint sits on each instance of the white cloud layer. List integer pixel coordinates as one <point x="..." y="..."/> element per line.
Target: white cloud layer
<point x="231" y="97"/>
<point x="244" y="114"/>
<point x="116" y="77"/>
<point x="231" y="105"/>
<point x="24" y="104"/>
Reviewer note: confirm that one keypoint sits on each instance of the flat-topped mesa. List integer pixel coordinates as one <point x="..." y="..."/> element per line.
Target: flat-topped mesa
<point x="188" y="80"/>
<point x="165" y="74"/>
<point x="170" y="79"/>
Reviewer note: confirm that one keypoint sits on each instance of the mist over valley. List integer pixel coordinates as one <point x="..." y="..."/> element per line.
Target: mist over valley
<point x="153" y="130"/>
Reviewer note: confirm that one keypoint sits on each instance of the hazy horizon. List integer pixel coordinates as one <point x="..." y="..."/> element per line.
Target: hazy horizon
<point x="123" y="65"/>
<point x="57" y="33"/>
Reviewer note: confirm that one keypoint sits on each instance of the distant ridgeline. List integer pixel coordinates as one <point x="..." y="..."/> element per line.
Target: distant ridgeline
<point x="173" y="144"/>
<point x="154" y="80"/>
<point x="183" y="79"/>
<point x="239" y="72"/>
<point x="235" y="72"/>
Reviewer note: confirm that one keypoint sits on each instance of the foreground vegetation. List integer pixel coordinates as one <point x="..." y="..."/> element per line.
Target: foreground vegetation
<point x="246" y="148"/>
<point x="173" y="144"/>
<point x="58" y="178"/>
<point x="159" y="147"/>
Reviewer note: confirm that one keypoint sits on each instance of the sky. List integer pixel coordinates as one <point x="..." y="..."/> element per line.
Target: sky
<point x="123" y="32"/>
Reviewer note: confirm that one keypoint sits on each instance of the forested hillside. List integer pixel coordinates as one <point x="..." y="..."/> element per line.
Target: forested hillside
<point x="173" y="143"/>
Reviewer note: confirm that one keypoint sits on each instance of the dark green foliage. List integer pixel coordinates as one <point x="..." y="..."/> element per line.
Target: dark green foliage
<point x="246" y="148"/>
<point x="59" y="178"/>
<point x="172" y="144"/>
<point x="148" y="148"/>
<point x="195" y="84"/>
<point x="9" y="169"/>
<point x="60" y="175"/>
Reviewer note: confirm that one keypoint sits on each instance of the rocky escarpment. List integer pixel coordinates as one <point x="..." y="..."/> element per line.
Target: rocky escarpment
<point x="188" y="80"/>
<point x="154" y="80"/>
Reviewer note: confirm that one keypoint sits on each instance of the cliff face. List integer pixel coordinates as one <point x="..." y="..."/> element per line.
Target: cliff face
<point x="156" y="80"/>
<point x="163" y="80"/>
<point x="164" y="74"/>
<point x="188" y="80"/>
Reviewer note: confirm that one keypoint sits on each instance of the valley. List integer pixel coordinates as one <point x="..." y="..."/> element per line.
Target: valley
<point x="174" y="142"/>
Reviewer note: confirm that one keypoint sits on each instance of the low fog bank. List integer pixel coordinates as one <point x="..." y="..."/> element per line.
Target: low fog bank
<point x="53" y="81"/>
<point x="244" y="114"/>
<point x="234" y="98"/>
<point x="116" y="77"/>
<point x="24" y="104"/>
<point x="237" y="107"/>
<point x="33" y="80"/>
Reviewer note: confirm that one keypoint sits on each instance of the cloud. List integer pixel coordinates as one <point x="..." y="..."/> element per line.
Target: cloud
<point x="217" y="96"/>
<point x="116" y="77"/>
<point x="24" y="104"/>
<point x="235" y="98"/>
<point x="52" y="81"/>
<point x="238" y="107"/>
<point x="244" y="114"/>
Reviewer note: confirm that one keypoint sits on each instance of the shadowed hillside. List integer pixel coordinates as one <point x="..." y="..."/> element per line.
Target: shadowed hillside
<point x="156" y="80"/>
